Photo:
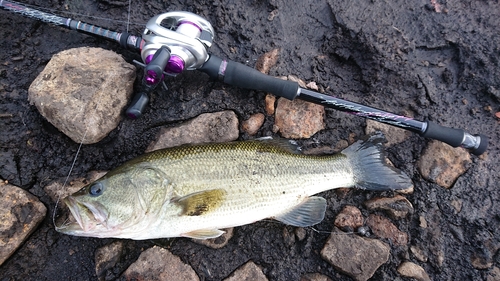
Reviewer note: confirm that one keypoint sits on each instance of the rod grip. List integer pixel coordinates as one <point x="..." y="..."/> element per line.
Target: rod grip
<point x="476" y="144"/>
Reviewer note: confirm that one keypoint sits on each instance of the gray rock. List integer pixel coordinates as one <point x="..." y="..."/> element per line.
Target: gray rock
<point x="443" y="164"/>
<point x="298" y="119"/>
<point x="358" y="257"/>
<point x="394" y="135"/>
<point x="219" y="242"/>
<point x="208" y="127"/>
<point x="409" y="269"/>
<point x="493" y="274"/>
<point x="419" y="253"/>
<point x="384" y="228"/>
<point x="20" y="214"/>
<point x="248" y="272"/>
<point x="396" y="207"/>
<point x="158" y="264"/>
<point x="83" y="91"/>
<point x="106" y="258"/>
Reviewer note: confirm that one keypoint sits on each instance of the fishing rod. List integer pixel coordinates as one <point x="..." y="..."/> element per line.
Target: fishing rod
<point x="176" y="41"/>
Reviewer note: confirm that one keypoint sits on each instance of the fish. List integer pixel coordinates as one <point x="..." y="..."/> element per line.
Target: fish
<point x="196" y="191"/>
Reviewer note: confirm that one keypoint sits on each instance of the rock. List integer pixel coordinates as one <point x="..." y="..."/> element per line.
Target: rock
<point x="219" y="242"/>
<point x="56" y="190"/>
<point x="411" y="270"/>
<point x="300" y="233"/>
<point x="158" y="264"/>
<point x="248" y="272"/>
<point x="208" y="127"/>
<point x="312" y="85"/>
<point x="394" y="135"/>
<point x="481" y="260"/>
<point x="270" y="103"/>
<point x="253" y="124"/>
<point x="397" y="207"/>
<point x="384" y="228"/>
<point x="350" y="218"/>
<point x="81" y="97"/>
<point x="419" y="253"/>
<point x="358" y="257"/>
<point x="267" y="61"/>
<point x="443" y="164"/>
<point x="106" y="258"/>
<point x="315" y="277"/>
<point x="494" y="274"/>
<point x="298" y="119"/>
<point x="294" y="78"/>
<point x="20" y="214"/>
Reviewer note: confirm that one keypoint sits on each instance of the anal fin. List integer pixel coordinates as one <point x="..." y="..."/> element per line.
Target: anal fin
<point x="310" y="212"/>
<point x="203" y="233"/>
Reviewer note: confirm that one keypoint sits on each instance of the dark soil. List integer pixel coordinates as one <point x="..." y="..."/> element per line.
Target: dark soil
<point x="403" y="57"/>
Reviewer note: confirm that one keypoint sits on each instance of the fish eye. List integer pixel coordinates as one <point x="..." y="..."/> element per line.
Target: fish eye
<point x="96" y="189"/>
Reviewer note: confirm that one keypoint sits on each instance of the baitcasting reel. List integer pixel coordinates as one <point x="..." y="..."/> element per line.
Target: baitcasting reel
<point x="172" y="42"/>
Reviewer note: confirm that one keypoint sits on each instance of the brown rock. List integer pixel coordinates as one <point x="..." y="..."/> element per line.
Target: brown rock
<point x="294" y="78"/>
<point x="158" y="264"/>
<point x="358" y="257"/>
<point x="267" y="61"/>
<point x="209" y="127"/>
<point x="248" y="272"/>
<point x="79" y="96"/>
<point x="394" y="135"/>
<point x="494" y="274"/>
<point x="253" y="124"/>
<point x="20" y="214"/>
<point x="481" y="261"/>
<point x="443" y="164"/>
<point x="56" y="190"/>
<point x="219" y="242"/>
<point x="298" y="118"/>
<point x="409" y="269"/>
<point x="315" y="277"/>
<point x="384" y="228"/>
<point x="349" y="218"/>
<point x="270" y="103"/>
<point x="396" y="207"/>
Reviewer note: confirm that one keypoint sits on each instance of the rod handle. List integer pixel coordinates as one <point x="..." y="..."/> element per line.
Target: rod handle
<point x="137" y="105"/>
<point x="476" y="144"/>
<point x="242" y="76"/>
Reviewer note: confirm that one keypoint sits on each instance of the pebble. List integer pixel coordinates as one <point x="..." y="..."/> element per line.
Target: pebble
<point x="397" y="207"/>
<point x="106" y="258"/>
<point x="253" y="124"/>
<point x="494" y="274"/>
<point x="219" y="242"/>
<point x="270" y="104"/>
<point x="350" y="218"/>
<point x="358" y="257"/>
<point x="20" y="214"/>
<point x="248" y="272"/>
<point x="267" y="61"/>
<point x="158" y="264"/>
<point x="208" y="127"/>
<point x="443" y="164"/>
<point x="299" y="119"/>
<point x="419" y="253"/>
<point x="411" y="270"/>
<point x="70" y="92"/>
<point x="384" y="228"/>
<point x="481" y="260"/>
<point x="315" y="277"/>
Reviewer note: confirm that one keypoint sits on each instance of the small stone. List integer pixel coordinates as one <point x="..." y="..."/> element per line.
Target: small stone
<point x="312" y="85"/>
<point x="356" y="256"/>
<point x="106" y="258"/>
<point x="299" y="119"/>
<point x="300" y="233"/>
<point x="423" y="222"/>
<point x="248" y="272"/>
<point x="20" y="214"/>
<point x="419" y="253"/>
<point x="158" y="264"/>
<point x="315" y="277"/>
<point x="253" y="124"/>
<point x="79" y="96"/>
<point x="219" y="242"/>
<point x="497" y="115"/>
<point x="394" y="135"/>
<point x="443" y="164"/>
<point x="384" y="228"/>
<point x="457" y="205"/>
<point x="267" y="61"/>
<point x="349" y="218"/>
<point x="481" y="261"/>
<point x="494" y="274"/>
<point x="270" y="102"/>
<point x="208" y="127"/>
<point x="396" y="207"/>
<point x="411" y="270"/>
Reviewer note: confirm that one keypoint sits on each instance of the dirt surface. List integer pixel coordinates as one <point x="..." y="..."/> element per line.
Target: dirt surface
<point x="436" y="60"/>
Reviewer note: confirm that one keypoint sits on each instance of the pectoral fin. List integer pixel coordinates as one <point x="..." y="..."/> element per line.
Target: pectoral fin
<point x="204" y="233"/>
<point x="307" y="213"/>
<point x="199" y="203"/>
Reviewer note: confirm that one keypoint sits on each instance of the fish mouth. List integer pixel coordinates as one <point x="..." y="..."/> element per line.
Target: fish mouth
<point x="82" y="218"/>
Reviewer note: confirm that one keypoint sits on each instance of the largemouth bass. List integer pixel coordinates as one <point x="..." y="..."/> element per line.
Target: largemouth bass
<point x="197" y="190"/>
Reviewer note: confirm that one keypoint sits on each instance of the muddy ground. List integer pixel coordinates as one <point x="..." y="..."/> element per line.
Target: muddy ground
<point x="436" y="60"/>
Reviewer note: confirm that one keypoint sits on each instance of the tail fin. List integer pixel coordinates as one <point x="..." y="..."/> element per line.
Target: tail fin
<point x="370" y="168"/>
